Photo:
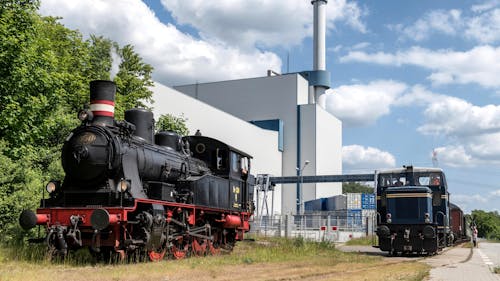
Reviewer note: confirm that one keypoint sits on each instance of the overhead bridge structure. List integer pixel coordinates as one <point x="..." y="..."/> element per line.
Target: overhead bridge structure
<point x="266" y="183"/>
<point x="324" y="178"/>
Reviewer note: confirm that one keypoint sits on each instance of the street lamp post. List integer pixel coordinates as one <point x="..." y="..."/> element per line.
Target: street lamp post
<point x="300" y="205"/>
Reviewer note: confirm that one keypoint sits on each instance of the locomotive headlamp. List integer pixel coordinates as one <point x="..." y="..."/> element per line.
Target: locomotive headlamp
<point x="123" y="185"/>
<point x="85" y="114"/>
<point x="427" y="218"/>
<point x="389" y="218"/>
<point x="51" y="186"/>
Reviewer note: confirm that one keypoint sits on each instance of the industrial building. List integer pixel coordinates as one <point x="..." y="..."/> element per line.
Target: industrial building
<point x="278" y="119"/>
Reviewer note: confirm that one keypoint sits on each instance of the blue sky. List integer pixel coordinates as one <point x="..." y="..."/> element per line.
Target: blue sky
<point x="408" y="77"/>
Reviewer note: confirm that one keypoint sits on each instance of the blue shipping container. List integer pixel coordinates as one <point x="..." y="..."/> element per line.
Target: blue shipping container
<point x="315" y="205"/>
<point x="335" y="203"/>
<point x="367" y="201"/>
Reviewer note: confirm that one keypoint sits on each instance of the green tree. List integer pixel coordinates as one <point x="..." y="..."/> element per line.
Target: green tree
<point x="45" y="70"/>
<point x="356" y="187"/>
<point x="100" y="57"/>
<point x="169" y="122"/>
<point x="487" y="223"/>
<point x="132" y="81"/>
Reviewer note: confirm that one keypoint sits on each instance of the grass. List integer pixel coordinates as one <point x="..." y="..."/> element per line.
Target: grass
<point x="363" y="241"/>
<point x="496" y="270"/>
<point x="492" y="240"/>
<point x="467" y="245"/>
<point x="262" y="259"/>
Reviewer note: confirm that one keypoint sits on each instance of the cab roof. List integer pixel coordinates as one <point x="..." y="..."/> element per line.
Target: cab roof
<point x="217" y="143"/>
<point x="407" y="169"/>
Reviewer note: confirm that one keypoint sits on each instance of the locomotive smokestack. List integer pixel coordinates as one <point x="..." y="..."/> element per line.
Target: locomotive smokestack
<point x="102" y="102"/>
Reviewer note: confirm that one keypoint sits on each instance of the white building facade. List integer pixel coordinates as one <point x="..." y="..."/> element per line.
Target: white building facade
<point x="280" y="103"/>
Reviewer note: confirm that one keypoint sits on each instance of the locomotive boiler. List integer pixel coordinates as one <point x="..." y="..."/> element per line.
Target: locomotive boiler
<point x="130" y="192"/>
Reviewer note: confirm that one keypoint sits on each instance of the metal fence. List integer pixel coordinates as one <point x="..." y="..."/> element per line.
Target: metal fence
<point x="338" y="226"/>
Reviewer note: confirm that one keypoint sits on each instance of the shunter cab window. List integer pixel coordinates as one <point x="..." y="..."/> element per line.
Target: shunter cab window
<point x="435" y="179"/>
<point x="392" y="180"/>
<point x="423" y="180"/>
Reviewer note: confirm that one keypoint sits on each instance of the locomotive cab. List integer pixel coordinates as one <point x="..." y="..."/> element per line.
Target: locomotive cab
<point x="222" y="159"/>
<point x="412" y="207"/>
<point x="230" y="185"/>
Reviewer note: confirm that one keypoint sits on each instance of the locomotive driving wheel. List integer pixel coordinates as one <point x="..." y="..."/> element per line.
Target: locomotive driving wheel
<point x="197" y="248"/>
<point x="179" y="249"/>
<point x="157" y="255"/>
<point x="213" y="248"/>
<point x="178" y="253"/>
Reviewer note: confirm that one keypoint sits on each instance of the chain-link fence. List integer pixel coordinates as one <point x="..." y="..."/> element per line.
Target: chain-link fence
<point x="338" y="226"/>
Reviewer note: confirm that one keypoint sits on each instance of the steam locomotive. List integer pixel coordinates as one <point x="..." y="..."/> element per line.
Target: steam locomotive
<point x="414" y="212"/>
<point x="129" y="193"/>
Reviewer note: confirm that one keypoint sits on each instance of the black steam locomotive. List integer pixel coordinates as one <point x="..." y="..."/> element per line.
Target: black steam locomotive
<point x="127" y="192"/>
<point x="414" y="212"/>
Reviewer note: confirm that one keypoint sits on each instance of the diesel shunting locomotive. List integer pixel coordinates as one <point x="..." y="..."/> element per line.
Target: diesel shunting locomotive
<point x="128" y="192"/>
<point x="414" y="212"/>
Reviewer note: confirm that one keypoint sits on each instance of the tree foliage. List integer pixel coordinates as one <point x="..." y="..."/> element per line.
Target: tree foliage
<point x="45" y="70"/>
<point x="487" y="223"/>
<point x="132" y="81"/>
<point x="169" y="122"/>
<point x="356" y="187"/>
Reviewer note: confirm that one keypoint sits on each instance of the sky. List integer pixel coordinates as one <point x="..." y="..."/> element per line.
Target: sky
<point x="409" y="78"/>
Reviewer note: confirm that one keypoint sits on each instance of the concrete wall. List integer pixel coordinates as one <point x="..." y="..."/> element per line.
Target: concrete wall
<point x="328" y="152"/>
<point x="321" y="144"/>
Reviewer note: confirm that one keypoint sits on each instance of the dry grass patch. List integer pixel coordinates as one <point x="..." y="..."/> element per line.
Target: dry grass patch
<point x="274" y="259"/>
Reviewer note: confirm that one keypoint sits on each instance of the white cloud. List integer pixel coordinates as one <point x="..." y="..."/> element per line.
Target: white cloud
<point x="487" y="5"/>
<point x="482" y="24"/>
<point x="470" y="151"/>
<point x="484" y="28"/>
<point x="335" y="49"/>
<point x="265" y="22"/>
<point x="438" y="21"/>
<point x="456" y="117"/>
<point x="360" y="157"/>
<point x="467" y="201"/>
<point x="454" y="156"/>
<point x="360" y="104"/>
<point x="361" y="45"/>
<point x="479" y="65"/>
<point x="495" y="192"/>
<point x="177" y="57"/>
<point x="473" y="132"/>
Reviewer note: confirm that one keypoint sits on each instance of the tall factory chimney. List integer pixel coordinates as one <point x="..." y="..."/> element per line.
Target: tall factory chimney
<point x="319" y="77"/>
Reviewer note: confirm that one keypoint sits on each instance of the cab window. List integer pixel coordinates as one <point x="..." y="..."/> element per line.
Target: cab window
<point x="244" y="165"/>
<point x="235" y="162"/>
<point x="435" y="179"/>
<point x="423" y="180"/>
